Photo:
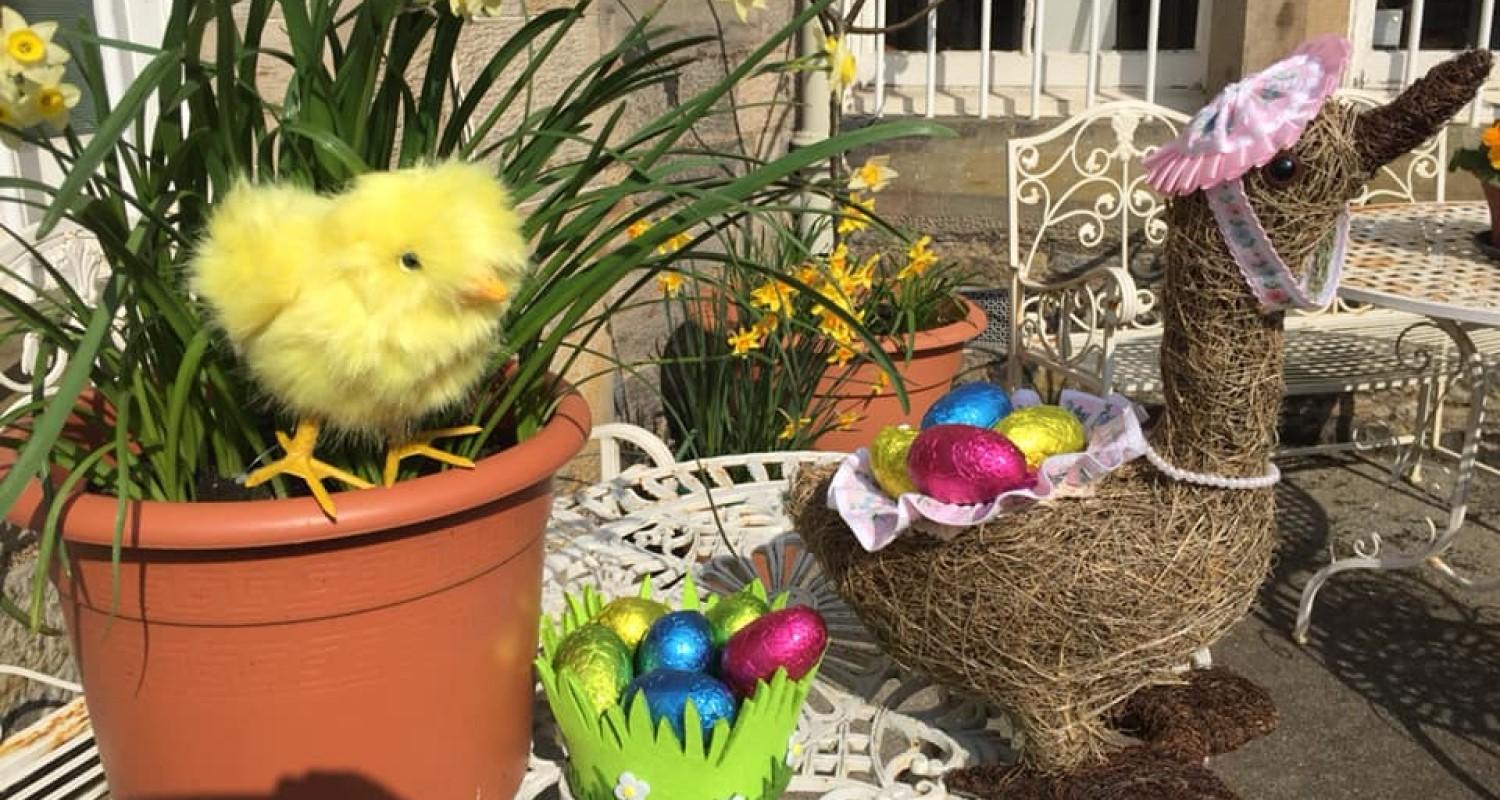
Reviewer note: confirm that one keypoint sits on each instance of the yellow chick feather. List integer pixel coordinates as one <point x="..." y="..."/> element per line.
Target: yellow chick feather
<point x="370" y="309"/>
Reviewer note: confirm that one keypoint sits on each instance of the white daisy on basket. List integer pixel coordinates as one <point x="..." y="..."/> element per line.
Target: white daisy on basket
<point x="629" y="787"/>
<point x="795" y="751"/>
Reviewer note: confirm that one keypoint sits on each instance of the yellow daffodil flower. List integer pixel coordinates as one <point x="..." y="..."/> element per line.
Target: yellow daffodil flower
<point x="13" y="117"/>
<point x="29" y="50"/>
<point x="918" y="259"/>
<point x="856" y="215"/>
<point x="670" y="283"/>
<point x="838" y="260"/>
<point x="742" y="8"/>
<point x="841" y="356"/>
<point x="841" y="66"/>
<point x="848" y="420"/>
<point x="808" y="274"/>
<point x="674" y="244"/>
<point x="765" y="325"/>
<point x="53" y="103"/>
<point x="773" y="296"/>
<point x="881" y="384"/>
<point x="744" y="340"/>
<point x="793" y="427"/>
<point x="638" y="228"/>
<point x="475" y="8"/>
<point x="874" y="176"/>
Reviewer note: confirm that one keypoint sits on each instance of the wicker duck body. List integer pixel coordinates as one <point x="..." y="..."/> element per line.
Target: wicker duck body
<point x="1061" y="612"/>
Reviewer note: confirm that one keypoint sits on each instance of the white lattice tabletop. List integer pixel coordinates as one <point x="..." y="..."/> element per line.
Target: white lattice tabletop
<point x="871" y="731"/>
<point x="1424" y="258"/>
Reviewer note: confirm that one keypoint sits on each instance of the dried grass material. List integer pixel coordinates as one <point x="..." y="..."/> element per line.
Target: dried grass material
<point x="1221" y="358"/>
<point x="1060" y="613"/>
<point x="1423" y="109"/>
<point x="1133" y="774"/>
<point x="1214" y="712"/>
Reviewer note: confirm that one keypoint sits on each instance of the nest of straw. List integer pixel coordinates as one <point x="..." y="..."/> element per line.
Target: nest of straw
<point x="1062" y="612"/>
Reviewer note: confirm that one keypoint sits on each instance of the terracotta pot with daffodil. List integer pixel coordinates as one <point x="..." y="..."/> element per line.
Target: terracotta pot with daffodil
<point x="1483" y="162"/>
<point x="811" y="336"/>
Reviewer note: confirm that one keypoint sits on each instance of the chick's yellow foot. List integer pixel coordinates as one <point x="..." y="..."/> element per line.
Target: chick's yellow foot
<point x="299" y="462"/>
<point x="421" y="445"/>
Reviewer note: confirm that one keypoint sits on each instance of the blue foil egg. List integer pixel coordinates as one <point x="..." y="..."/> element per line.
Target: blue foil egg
<point x="667" y="692"/>
<point x="979" y="404"/>
<point x="681" y="640"/>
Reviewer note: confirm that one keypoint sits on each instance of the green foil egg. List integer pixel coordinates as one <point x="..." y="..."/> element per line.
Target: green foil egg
<point x="1042" y="432"/>
<point x="599" y="663"/>
<point x="630" y="618"/>
<point x="888" y="458"/>
<point x="733" y="613"/>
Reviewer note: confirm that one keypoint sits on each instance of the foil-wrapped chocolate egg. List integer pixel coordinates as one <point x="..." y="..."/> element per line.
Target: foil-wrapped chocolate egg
<point x="681" y="640"/>
<point x="965" y="465"/>
<point x="667" y="693"/>
<point x="599" y="663"/>
<point x="631" y="617"/>
<point x="1042" y="432"/>
<point x="888" y="459"/>
<point x="792" y="639"/>
<point x="733" y="613"/>
<point x="979" y="404"/>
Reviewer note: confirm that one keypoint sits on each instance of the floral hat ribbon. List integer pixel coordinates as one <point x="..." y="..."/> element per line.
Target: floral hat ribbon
<point x="1243" y="129"/>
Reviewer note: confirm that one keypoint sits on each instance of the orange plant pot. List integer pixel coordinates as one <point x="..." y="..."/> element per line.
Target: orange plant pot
<point x="256" y="649"/>
<point x="1492" y="196"/>
<point x="937" y="357"/>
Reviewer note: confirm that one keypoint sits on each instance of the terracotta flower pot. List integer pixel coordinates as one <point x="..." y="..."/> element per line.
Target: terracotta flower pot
<point x="1492" y="195"/>
<point x="258" y="650"/>
<point x="937" y="357"/>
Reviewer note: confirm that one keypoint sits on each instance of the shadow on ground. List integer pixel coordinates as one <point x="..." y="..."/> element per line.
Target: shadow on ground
<point x="1397" y="694"/>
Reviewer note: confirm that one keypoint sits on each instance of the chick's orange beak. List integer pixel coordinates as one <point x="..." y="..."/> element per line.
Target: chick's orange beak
<point x="490" y="291"/>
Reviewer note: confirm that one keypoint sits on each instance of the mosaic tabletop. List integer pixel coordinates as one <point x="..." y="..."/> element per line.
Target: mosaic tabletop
<point x="1426" y="258"/>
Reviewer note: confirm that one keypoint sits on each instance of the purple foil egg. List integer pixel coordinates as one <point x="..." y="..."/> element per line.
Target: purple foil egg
<point x="965" y="465"/>
<point x="792" y="638"/>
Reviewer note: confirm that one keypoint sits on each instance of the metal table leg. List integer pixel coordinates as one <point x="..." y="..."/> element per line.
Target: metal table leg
<point x="1368" y="550"/>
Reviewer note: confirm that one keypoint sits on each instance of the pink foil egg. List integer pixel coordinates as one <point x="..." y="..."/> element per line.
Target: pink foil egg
<point x="792" y="638"/>
<point x="965" y="465"/>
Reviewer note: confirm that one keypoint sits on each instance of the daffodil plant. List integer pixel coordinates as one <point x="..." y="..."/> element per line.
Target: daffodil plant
<point x="372" y="85"/>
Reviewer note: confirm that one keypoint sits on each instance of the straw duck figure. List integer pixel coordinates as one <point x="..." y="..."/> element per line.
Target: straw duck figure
<point x="1061" y="612"/>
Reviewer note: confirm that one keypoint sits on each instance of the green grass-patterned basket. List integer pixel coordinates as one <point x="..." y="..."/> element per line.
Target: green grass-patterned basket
<point x="617" y="754"/>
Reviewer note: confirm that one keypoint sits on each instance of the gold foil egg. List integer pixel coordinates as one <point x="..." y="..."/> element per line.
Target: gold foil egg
<point x="888" y="459"/>
<point x="630" y="618"/>
<point x="599" y="663"/>
<point x="1042" y="432"/>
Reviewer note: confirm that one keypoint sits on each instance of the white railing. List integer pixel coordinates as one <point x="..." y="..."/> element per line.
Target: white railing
<point x="1086" y="72"/>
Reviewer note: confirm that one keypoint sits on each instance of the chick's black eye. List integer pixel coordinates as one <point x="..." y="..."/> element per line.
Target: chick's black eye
<point x="1282" y="170"/>
<point x="410" y="261"/>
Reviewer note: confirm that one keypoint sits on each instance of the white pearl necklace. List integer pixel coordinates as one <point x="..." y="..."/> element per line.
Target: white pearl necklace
<point x="1266" y="481"/>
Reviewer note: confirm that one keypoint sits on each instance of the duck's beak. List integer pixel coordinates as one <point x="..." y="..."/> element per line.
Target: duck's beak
<point x="488" y="292"/>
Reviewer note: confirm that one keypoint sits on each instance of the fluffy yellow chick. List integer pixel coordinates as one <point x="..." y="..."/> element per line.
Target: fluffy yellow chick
<point x="367" y="310"/>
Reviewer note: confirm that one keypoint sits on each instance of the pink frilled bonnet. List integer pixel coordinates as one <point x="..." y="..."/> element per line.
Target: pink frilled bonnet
<point x="1250" y="121"/>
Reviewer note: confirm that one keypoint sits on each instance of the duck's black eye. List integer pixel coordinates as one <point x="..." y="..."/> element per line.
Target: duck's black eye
<point x="1282" y="170"/>
<point x="410" y="261"/>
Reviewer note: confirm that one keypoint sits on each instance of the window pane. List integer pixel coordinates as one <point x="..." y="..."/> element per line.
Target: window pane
<point x="957" y="24"/>
<point x="67" y="13"/>
<point x="1179" y="24"/>
<point x="1446" y="24"/>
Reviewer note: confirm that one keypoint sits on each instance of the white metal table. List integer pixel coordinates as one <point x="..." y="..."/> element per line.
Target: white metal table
<point x="870" y="730"/>
<point x="1422" y="258"/>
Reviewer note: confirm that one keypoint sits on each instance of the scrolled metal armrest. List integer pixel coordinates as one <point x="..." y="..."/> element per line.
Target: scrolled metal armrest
<point x="1109" y="291"/>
